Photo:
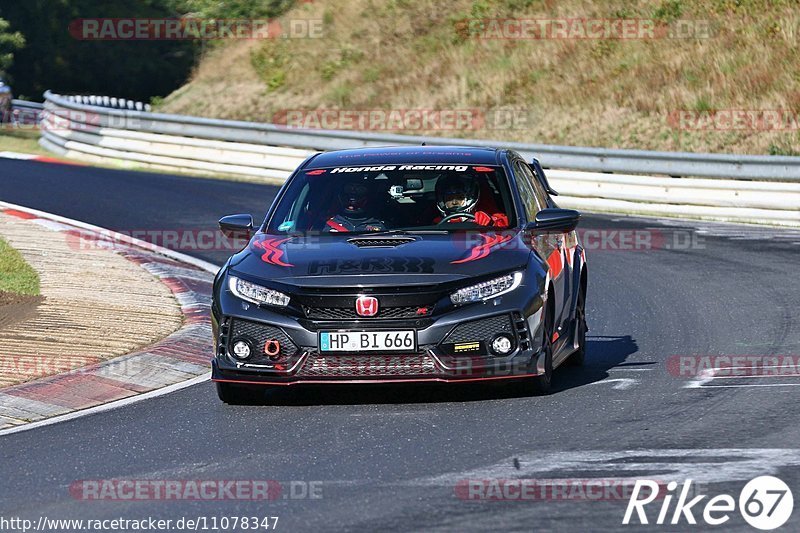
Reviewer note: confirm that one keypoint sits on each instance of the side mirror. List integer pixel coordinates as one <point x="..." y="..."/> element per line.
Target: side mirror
<point x="555" y="220"/>
<point x="539" y="171"/>
<point x="236" y="226"/>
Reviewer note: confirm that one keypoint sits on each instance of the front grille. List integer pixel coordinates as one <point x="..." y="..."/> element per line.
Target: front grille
<point x="349" y="313"/>
<point x="479" y="330"/>
<point x="382" y="242"/>
<point x="342" y="366"/>
<point x="258" y="334"/>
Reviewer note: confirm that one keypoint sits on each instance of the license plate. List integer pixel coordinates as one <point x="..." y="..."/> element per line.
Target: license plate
<point x="367" y="341"/>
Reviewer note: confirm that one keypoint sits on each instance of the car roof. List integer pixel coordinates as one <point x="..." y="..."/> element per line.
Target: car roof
<point x="391" y="155"/>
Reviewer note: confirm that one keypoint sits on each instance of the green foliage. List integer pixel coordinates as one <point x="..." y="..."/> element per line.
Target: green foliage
<point x="781" y="149"/>
<point x="668" y="11"/>
<point x="232" y="9"/>
<point x="517" y="5"/>
<point x="702" y="105"/>
<point x="481" y="9"/>
<point x="10" y="41"/>
<point x="347" y="57"/>
<point x="270" y="62"/>
<point x="16" y="275"/>
<point x="371" y="75"/>
<point x="341" y="95"/>
<point x="54" y="59"/>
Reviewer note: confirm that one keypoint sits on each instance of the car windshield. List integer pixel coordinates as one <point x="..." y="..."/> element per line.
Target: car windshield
<point x="398" y="198"/>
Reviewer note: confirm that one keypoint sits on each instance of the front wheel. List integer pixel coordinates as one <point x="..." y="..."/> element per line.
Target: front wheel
<point x="579" y="357"/>
<point x="541" y="383"/>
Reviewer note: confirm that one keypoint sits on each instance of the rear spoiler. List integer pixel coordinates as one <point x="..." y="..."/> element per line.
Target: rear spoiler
<point x="539" y="171"/>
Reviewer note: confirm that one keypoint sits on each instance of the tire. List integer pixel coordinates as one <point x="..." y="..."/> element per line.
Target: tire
<point x="236" y="394"/>
<point x="541" y="383"/>
<point x="579" y="357"/>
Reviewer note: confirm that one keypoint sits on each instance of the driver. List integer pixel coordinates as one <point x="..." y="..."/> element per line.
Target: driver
<point x="353" y="200"/>
<point x="459" y="195"/>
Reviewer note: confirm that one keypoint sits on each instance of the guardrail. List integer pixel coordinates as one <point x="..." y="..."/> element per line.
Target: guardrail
<point x="25" y="105"/>
<point x="269" y="152"/>
<point x="25" y="112"/>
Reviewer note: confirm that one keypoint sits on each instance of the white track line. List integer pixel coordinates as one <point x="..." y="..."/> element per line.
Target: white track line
<point x="750" y="386"/>
<point x="107" y="406"/>
<point x="704" y="379"/>
<point x="619" y="383"/>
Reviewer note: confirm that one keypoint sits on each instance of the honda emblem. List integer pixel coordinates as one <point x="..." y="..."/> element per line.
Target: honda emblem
<point x="367" y="306"/>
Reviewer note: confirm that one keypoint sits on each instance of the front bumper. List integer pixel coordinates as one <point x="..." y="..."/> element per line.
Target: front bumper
<point x="435" y="360"/>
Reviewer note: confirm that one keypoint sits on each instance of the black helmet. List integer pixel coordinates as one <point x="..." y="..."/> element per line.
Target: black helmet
<point x="457" y="194"/>
<point x="353" y="197"/>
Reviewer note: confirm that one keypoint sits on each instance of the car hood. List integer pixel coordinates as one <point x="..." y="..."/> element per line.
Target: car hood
<point x="330" y="260"/>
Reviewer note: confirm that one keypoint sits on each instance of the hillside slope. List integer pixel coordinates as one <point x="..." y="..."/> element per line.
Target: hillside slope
<point x="627" y="93"/>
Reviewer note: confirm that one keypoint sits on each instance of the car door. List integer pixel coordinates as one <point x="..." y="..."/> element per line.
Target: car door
<point x="571" y="252"/>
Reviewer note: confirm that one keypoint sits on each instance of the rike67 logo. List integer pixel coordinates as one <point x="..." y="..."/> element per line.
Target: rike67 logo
<point x="765" y="503"/>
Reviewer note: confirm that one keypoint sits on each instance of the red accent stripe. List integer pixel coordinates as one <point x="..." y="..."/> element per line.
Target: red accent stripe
<point x="45" y="159"/>
<point x="19" y="214"/>
<point x="556" y="264"/>
<point x="371" y="381"/>
<point x="337" y="226"/>
<point x="272" y="254"/>
<point x="482" y="250"/>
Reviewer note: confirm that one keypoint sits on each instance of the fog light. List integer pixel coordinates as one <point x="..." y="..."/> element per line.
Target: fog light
<point x="242" y="350"/>
<point x="502" y="345"/>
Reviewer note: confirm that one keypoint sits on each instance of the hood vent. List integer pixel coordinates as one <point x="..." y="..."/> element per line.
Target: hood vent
<point x="380" y="242"/>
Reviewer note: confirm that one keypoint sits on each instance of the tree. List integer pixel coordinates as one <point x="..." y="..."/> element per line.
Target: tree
<point x="9" y="43"/>
<point x="54" y="59"/>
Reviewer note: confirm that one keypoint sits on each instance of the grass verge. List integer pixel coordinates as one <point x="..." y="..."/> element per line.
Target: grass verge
<point x="23" y="141"/>
<point x="713" y="58"/>
<point x="16" y="275"/>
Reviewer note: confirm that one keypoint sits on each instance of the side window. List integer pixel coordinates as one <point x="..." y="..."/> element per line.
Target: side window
<point x="541" y="193"/>
<point x="526" y="191"/>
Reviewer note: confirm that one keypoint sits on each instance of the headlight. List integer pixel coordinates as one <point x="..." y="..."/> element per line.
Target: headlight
<point x="487" y="289"/>
<point x="256" y="294"/>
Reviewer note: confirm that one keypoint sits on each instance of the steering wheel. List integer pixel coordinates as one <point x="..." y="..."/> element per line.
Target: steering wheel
<point x="448" y="218"/>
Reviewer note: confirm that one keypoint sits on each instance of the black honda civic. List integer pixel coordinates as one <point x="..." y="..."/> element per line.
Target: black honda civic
<point x="402" y="264"/>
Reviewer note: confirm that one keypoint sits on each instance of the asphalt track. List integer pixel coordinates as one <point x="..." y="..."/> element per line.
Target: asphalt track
<point x="388" y="459"/>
